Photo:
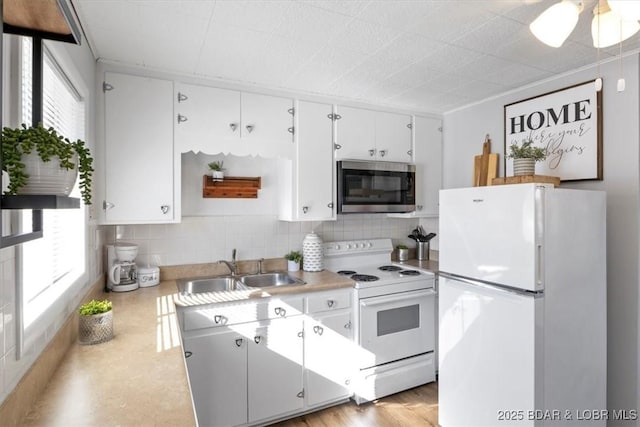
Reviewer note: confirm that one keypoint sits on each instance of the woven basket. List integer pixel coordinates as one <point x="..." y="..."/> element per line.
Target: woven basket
<point x="96" y="328"/>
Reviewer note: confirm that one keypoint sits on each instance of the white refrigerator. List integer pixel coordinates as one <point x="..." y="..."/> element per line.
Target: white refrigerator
<point x="522" y="306"/>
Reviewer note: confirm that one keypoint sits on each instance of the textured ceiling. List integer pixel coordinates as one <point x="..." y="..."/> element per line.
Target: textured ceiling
<point x="429" y="56"/>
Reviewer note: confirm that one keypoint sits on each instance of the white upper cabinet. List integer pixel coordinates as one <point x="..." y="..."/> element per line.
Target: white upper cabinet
<point x="141" y="171"/>
<point x="393" y="137"/>
<point x="373" y="135"/>
<point x="214" y="120"/>
<point x="355" y="133"/>
<point x="207" y="118"/>
<point x="306" y="184"/>
<point x="428" y="159"/>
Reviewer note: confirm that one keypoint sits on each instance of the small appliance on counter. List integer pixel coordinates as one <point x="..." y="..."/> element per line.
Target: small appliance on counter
<point x="121" y="267"/>
<point x="148" y="275"/>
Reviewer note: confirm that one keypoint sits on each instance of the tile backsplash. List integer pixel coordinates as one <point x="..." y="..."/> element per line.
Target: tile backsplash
<point x="201" y="239"/>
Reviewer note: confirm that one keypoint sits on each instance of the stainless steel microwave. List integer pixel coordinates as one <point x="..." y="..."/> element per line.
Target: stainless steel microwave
<point x="375" y="187"/>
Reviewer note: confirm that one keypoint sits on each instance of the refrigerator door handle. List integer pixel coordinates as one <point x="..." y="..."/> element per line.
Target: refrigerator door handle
<point x="492" y="286"/>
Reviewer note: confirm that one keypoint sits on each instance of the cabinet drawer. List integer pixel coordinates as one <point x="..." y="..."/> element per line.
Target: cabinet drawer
<point x="225" y="315"/>
<point x="328" y="301"/>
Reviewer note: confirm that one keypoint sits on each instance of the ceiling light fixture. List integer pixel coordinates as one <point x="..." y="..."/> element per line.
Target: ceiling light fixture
<point x="554" y="25"/>
<point x="611" y="28"/>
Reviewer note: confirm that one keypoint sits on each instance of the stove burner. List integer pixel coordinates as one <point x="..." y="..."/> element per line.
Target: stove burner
<point x="390" y="268"/>
<point x="364" y="278"/>
<point x="409" y="273"/>
<point x="347" y="272"/>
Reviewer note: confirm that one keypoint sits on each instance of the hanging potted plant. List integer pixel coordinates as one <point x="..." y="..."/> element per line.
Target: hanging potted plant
<point x="217" y="171"/>
<point x="96" y="322"/>
<point x="40" y="161"/>
<point x="294" y="258"/>
<point x="525" y="157"/>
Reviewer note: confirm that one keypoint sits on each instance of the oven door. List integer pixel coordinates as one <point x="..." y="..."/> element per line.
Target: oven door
<point x="396" y="326"/>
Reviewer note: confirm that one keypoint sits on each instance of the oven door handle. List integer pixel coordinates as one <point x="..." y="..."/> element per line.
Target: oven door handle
<point x="386" y="299"/>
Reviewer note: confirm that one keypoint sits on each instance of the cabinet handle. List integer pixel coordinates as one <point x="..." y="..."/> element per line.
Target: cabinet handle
<point x="372" y="152"/>
<point x="164" y="208"/>
<point x="410" y="152"/>
<point x="257" y="339"/>
<point x="249" y="128"/>
<point x="182" y="97"/>
<point x="318" y="330"/>
<point x="301" y="334"/>
<point x="233" y="127"/>
<point x="107" y="205"/>
<point x="330" y="303"/>
<point x="291" y="111"/>
<point x="290" y="130"/>
<point x="280" y="311"/>
<point x="347" y="325"/>
<point x="182" y="118"/>
<point x="337" y="146"/>
<point x="330" y="205"/>
<point x="347" y="382"/>
<point x="338" y="116"/>
<point x="410" y="126"/>
<point x="383" y="153"/>
<point x="334" y="117"/>
<point x="239" y="342"/>
<point x="418" y="207"/>
<point x="301" y="394"/>
<point x="188" y="354"/>
<point x="219" y="319"/>
<point x="305" y="209"/>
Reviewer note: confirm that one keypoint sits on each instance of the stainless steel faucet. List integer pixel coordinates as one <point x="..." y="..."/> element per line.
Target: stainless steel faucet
<point x="232" y="266"/>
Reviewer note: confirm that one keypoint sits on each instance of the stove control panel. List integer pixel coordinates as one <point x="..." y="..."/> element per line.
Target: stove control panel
<point x="347" y="247"/>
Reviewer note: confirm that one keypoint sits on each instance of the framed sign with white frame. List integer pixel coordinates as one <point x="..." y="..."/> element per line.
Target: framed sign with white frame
<point x="567" y="124"/>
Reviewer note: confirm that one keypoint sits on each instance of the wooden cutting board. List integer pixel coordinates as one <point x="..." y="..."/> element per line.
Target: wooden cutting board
<point x="485" y="166"/>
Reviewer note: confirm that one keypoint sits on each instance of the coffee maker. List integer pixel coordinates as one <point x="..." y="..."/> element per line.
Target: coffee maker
<point x="121" y="267"/>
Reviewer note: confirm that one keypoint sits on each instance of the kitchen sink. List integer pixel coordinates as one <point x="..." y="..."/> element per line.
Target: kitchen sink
<point x="269" y="279"/>
<point x="209" y="284"/>
<point x="231" y="283"/>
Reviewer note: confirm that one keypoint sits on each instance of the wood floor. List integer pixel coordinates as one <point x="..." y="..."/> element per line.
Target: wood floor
<point x="415" y="407"/>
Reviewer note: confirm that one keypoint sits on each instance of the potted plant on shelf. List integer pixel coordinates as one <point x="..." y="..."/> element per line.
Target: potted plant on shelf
<point x="96" y="322"/>
<point x="294" y="259"/>
<point x="217" y="171"/>
<point x="403" y="252"/>
<point x="525" y="157"/>
<point x="27" y="154"/>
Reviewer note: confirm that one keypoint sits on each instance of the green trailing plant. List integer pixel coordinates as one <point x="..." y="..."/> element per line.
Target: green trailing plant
<point x="294" y="256"/>
<point x="95" y="307"/>
<point x="402" y="247"/>
<point x="526" y="151"/>
<point x="216" y="166"/>
<point x="48" y="144"/>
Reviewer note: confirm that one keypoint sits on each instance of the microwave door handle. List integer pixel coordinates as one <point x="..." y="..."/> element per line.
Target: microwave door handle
<point x="386" y="299"/>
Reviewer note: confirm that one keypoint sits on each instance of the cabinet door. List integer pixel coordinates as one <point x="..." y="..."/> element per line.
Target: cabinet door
<point x="355" y="134"/>
<point x="207" y="118"/>
<point x="275" y="369"/>
<point x="328" y="348"/>
<point x="140" y="169"/>
<point x="428" y="159"/>
<point x="267" y="125"/>
<point x="217" y="369"/>
<point x="315" y="167"/>
<point x="393" y="137"/>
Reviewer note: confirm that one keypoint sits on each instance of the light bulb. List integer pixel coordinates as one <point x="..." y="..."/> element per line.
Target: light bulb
<point x="598" y="84"/>
<point x="611" y="29"/>
<point x="621" y="84"/>
<point x="554" y="25"/>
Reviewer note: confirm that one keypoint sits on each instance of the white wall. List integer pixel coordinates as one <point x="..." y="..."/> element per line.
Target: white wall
<point x="464" y="132"/>
<point x="79" y="62"/>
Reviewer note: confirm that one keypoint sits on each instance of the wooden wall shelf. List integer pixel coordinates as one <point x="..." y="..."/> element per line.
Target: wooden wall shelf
<point x="231" y="187"/>
<point x="522" y="179"/>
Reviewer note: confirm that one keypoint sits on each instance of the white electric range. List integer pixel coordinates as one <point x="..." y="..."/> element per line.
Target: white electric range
<point x="395" y="317"/>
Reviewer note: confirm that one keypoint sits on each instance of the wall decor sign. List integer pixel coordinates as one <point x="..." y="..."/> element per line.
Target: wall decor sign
<point x="567" y="123"/>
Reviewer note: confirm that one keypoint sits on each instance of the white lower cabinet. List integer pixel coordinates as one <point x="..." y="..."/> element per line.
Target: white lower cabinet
<point x="329" y="349"/>
<point x="274" y="363"/>
<point x="217" y="366"/>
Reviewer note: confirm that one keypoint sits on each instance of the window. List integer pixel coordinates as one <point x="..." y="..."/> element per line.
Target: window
<point x="50" y="265"/>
